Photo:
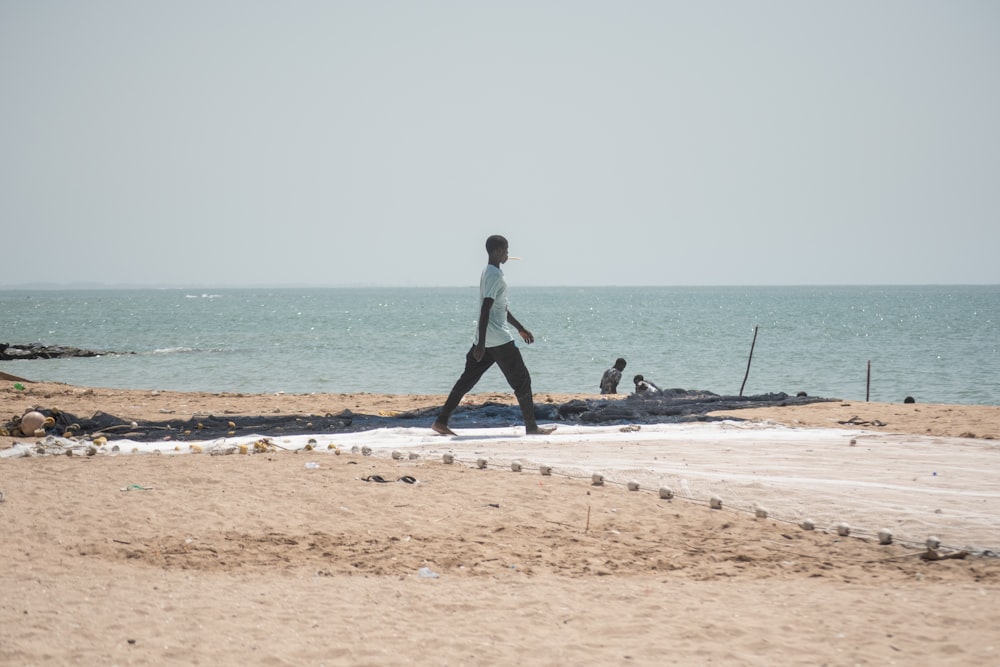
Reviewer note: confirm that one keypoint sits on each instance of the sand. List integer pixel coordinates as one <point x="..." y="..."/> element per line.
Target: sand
<point x="258" y="559"/>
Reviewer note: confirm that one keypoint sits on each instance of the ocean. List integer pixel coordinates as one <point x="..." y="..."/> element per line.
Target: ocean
<point x="938" y="344"/>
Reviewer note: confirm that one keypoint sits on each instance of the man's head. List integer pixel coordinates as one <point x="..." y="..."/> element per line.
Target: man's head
<point x="637" y="379"/>
<point x="620" y="363"/>
<point x="495" y="242"/>
<point x="496" y="247"/>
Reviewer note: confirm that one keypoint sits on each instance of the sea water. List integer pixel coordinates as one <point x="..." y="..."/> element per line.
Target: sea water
<point x="935" y="343"/>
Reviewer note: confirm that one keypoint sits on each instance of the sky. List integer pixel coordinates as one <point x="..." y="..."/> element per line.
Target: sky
<point x="321" y="143"/>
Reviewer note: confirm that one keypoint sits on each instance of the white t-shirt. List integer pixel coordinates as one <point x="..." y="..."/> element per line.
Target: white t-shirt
<point x="493" y="286"/>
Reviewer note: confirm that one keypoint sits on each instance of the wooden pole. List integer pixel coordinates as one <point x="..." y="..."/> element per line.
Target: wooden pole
<point x="747" y="374"/>
<point x="868" y="382"/>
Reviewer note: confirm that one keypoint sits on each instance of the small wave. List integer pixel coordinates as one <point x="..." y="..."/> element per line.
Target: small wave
<point x="203" y="296"/>
<point x="189" y="350"/>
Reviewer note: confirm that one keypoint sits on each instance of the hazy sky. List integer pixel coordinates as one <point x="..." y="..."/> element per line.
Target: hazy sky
<point x="215" y="143"/>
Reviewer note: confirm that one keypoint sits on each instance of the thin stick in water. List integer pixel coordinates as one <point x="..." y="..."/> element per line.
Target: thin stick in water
<point x="868" y="382"/>
<point x="754" y="342"/>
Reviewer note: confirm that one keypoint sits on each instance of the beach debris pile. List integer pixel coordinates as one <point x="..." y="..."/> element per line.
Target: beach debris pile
<point x="52" y="445"/>
<point x="858" y="421"/>
<point x="32" y="423"/>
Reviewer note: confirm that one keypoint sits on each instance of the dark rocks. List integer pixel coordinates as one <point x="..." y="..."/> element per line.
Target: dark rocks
<point x="12" y="352"/>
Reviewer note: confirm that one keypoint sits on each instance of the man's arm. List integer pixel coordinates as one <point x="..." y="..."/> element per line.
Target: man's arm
<point x="525" y="334"/>
<point x="484" y="320"/>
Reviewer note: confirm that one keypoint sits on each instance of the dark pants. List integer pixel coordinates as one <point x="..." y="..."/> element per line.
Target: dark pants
<point x="508" y="358"/>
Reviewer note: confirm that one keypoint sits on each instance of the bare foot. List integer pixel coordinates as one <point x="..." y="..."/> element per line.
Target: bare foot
<point x="442" y="429"/>
<point x="541" y="430"/>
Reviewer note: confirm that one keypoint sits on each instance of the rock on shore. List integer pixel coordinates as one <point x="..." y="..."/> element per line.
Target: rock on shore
<point x="13" y="351"/>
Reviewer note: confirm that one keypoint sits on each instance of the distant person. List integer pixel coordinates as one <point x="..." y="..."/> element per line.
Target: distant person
<point x="612" y="376"/>
<point x="494" y="344"/>
<point x="644" y="386"/>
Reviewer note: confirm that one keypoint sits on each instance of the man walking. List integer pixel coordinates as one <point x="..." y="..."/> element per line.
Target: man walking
<point x="494" y="344"/>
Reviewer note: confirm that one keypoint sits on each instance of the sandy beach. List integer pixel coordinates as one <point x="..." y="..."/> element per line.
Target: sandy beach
<point x="261" y="559"/>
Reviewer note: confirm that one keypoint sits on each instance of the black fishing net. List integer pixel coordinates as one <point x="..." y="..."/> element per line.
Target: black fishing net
<point x="670" y="406"/>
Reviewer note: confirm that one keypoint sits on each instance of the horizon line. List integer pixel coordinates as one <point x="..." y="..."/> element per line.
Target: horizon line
<point x="168" y="286"/>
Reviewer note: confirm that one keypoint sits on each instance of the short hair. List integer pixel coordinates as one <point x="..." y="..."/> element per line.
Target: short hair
<point x="495" y="242"/>
<point x="637" y="379"/>
<point x="621" y="360"/>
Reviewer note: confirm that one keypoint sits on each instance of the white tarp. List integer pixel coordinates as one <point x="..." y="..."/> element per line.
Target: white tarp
<point x="913" y="486"/>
